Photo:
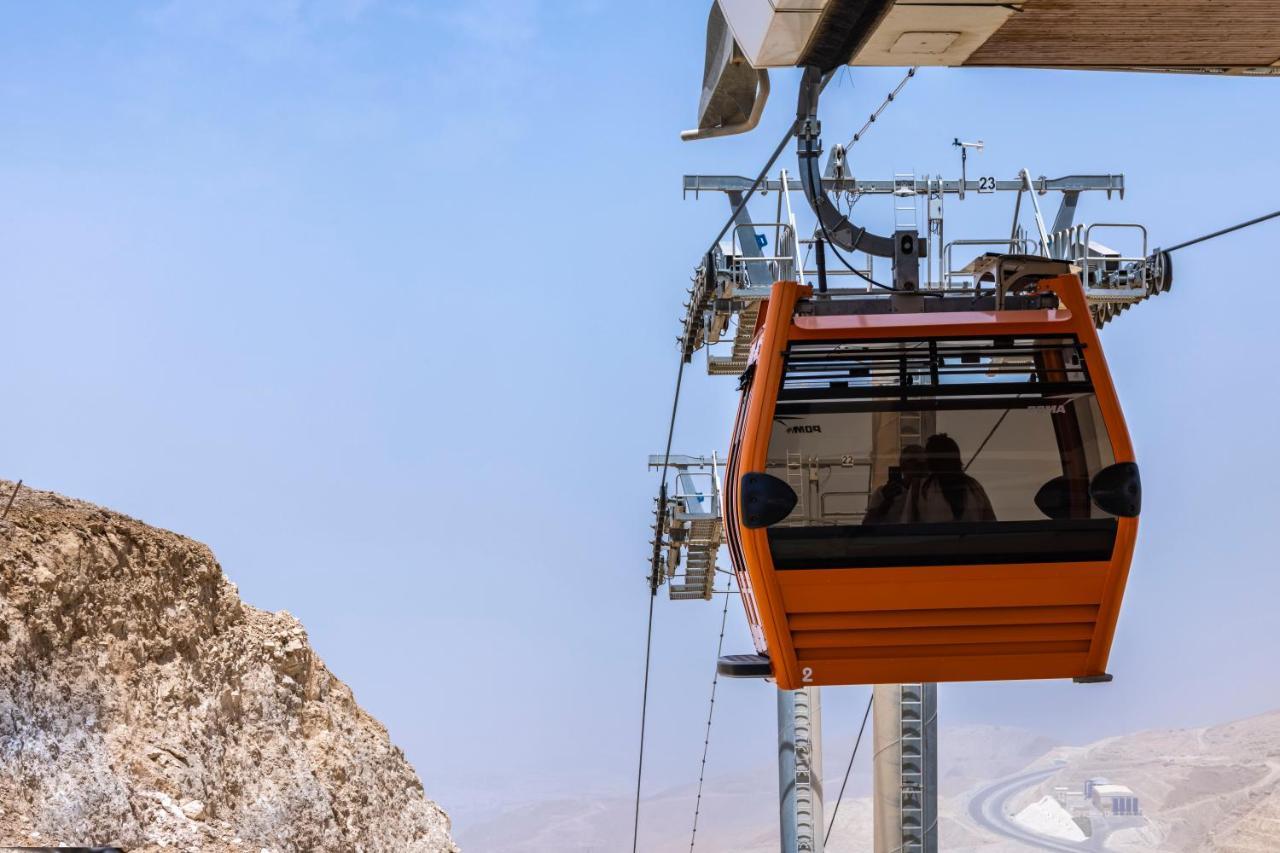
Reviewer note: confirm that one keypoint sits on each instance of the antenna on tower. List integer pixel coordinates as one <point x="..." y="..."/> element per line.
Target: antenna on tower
<point x="964" y="158"/>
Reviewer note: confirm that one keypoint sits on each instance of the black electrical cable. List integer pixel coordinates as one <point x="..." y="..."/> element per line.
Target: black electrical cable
<point x="859" y="273"/>
<point x="706" y="741"/>
<point x="809" y="155"/>
<point x="1201" y="239"/>
<point x="848" y="769"/>
<point x="825" y="233"/>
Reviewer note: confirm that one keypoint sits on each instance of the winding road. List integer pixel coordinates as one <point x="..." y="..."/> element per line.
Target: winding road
<point x="987" y="808"/>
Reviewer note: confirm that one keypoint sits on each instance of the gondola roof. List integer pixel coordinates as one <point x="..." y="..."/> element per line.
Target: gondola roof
<point x="1212" y="36"/>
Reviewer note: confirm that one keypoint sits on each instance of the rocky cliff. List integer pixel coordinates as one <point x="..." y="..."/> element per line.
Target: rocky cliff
<point x="143" y="705"/>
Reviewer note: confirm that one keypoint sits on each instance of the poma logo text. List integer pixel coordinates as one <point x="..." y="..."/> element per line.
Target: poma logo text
<point x="804" y="428"/>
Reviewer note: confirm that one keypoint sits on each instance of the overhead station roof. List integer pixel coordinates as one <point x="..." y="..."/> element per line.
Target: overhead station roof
<point x="1215" y="36"/>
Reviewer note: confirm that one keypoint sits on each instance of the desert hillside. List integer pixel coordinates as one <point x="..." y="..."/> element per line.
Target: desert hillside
<point x="1214" y="789"/>
<point x="142" y="704"/>
<point x="1208" y="789"/>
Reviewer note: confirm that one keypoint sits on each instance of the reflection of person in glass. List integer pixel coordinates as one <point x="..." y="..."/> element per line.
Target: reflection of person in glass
<point x="890" y="500"/>
<point x="948" y="494"/>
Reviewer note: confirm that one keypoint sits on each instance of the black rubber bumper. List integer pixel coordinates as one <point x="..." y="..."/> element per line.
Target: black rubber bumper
<point x="744" y="666"/>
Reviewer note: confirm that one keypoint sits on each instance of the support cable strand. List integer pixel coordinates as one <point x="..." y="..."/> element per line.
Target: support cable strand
<point x="822" y="226"/>
<point x="706" y="741"/>
<point x="853" y="195"/>
<point x="666" y="467"/>
<point x="644" y="708"/>
<point x="848" y="769"/>
<point x="1210" y="236"/>
<point x="738" y="208"/>
<point x="666" y="462"/>
<point x="887" y="101"/>
<point x="653" y="594"/>
<point x="982" y="446"/>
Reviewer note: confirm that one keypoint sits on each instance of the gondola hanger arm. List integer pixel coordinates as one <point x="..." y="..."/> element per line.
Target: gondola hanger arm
<point x="835" y="225"/>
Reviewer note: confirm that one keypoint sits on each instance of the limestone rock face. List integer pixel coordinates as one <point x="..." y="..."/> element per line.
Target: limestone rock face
<point x="143" y="705"/>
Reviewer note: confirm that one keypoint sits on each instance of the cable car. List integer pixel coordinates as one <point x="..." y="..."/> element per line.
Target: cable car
<point x="941" y="494"/>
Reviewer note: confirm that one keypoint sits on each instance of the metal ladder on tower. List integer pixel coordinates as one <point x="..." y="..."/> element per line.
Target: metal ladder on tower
<point x="904" y="201"/>
<point x="918" y="765"/>
<point x="911" y="751"/>
<point x="796" y="480"/>
<point x="702" y="542"/>
<point x="745" y="332"/>
<point x="910" y="428"/>
<point x="800" y="769"/>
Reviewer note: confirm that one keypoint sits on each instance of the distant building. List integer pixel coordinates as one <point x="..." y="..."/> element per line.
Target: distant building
<point x="1091" y="783"/>
<point x="1113" y="799"/>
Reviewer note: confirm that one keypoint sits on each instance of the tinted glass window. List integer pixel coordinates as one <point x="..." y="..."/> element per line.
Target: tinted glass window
<point x="906" y="437"/>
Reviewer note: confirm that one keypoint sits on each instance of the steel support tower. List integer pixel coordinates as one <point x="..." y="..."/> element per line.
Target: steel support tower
<point x="800" y="770"/>
<point x="905" y="768"/>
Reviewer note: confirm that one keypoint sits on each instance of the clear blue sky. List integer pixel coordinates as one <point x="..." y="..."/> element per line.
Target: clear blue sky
<point x="379" y="299"/>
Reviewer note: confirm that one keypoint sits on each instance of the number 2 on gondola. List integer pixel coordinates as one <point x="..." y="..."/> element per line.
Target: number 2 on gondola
<point x="806" y="674"/>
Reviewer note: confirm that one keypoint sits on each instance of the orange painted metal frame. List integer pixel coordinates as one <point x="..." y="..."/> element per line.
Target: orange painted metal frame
<point x="1069" y="603"/>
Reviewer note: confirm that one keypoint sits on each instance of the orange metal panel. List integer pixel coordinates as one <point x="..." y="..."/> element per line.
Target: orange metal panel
<point x="1069" y="291"/>
<point x="958" y="323"/>
<point x="762" y="396"/>
<point x="942" y="653"/>
<point x="959" y="616"/>
<point x="941" y="636"/>
<point x="975" y="668"/>
<point x="855" y="590"/>
<point x="928" y="623"/>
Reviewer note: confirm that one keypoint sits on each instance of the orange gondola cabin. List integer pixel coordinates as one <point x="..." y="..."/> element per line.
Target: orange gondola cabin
<point x="944" y="491"/>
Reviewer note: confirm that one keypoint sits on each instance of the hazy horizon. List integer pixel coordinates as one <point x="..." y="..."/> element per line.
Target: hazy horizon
<point x="738" y="808"/>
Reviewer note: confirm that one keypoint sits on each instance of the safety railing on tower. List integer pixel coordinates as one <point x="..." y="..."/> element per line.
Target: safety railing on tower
<point x="723" y="308"/>
<point x="689" y="526"/>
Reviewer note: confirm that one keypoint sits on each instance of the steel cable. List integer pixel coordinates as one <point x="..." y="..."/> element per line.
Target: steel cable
<point x="887" y="101"/>
<point x="1221" y="232"/>
<point x="644" y="708"/>
<point x="848" y="769"/>
<point x="706" y="741"/>
<point x="738" y="208"/>
<point x="814" y="180"/>
<point x="653" y="594"/>
<point x="666" y="463"/>
<point x="666" y="467"/>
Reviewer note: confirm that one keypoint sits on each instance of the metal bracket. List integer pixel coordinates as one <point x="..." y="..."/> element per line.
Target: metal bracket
<point x="744" y="666"/>
<point x="1069" y="183"/>
<point x="1104" y="678"/>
